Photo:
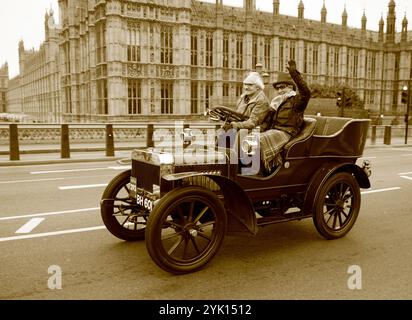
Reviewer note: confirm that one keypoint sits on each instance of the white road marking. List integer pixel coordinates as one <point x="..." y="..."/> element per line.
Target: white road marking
<point x="404" y="173"/>
<point x="79" y="170"/>
<point x="406" y="177"/>
<point x="407" y="155"/>
<point x="84" y="186"/>
<point x="67" y="170"/>
<point x="29" y="226"/>
<point x="22" y="181"/>
<point x="49" y="213"/>
<point x="49" y="234"/>
<point x="399" y="149"/>
<point x="121" y="168"/>
<point x="381" y="190"/>
<point x="366" y="158"/>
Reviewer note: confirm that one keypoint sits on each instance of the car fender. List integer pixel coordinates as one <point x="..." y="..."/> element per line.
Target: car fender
<point x="324" y="173"/>
<point x="239" y="209"/>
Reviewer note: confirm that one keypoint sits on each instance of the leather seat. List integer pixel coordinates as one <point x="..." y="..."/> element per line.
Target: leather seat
<point x="329" y="126"/>
<point x="308" y="128"/>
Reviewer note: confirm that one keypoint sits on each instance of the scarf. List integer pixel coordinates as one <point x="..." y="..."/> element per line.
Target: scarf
<point x="280" y="99"/>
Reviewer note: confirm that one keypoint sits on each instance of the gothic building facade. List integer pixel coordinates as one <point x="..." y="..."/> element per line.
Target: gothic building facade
<point x="127" y="59"/>
<point x="40" y="75"/>
<point x="4" y="79"/>
<point x="14" y="98"/>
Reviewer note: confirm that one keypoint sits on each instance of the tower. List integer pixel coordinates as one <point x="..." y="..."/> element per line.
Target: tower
<point x="22" y="56"/>
<point x="323" y="13"/>
<point x="46" y="25"/>
<point x="344" y="18"/>
<point x="391" y="22"/>
<point x="404" y="36"/>
<point x="381" y="29"/>
<point x="364" y="21"/>
<point x="301" y="10"/>
<point x="276" y="4"/>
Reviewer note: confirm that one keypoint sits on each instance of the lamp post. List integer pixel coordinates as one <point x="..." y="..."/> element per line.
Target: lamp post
<point x="406" y="98"/>
<point x="341" y="102"/>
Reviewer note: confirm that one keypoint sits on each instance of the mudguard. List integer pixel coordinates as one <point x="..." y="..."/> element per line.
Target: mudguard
<point x="239" y="209"/>
<point x="327" y="171"/>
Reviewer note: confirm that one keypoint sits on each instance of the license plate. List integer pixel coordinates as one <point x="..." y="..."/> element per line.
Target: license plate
<point x="144" y="202"/>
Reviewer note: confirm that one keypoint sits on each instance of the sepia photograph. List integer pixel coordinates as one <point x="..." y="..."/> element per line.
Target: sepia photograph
<point x="208" y="155"/>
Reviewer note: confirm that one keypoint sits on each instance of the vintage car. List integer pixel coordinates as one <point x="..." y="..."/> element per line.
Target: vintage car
<point x="185" y="200"/>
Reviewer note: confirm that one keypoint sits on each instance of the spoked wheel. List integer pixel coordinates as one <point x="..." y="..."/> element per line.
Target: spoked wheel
<point x="337" y="206"/>
<point x="119" y="211"/>
<point x="186" y="229"/>
<point x="221" y="113"/>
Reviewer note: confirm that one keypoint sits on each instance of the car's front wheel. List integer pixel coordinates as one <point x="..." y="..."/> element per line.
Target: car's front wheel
<point x="186" y="229"/>
<point x="337" y="205"/>
<point x="119" y="211"/>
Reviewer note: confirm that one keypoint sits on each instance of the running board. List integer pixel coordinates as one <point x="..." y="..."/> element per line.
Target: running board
<point x="265" y="221"/>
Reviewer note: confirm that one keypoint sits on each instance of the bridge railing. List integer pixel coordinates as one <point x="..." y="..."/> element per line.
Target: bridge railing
<point x="63" y="135"/>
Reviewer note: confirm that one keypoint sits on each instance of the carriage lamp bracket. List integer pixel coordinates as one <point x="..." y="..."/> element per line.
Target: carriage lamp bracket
<point x="366" y="167"/>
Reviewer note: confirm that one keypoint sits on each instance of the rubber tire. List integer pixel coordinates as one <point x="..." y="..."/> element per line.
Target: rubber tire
<point x="109" y="220"/>
<point x="318" y="216"/>
<point x="160" y="214"/>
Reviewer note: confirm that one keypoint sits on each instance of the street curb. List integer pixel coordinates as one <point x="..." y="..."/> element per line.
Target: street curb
<point x="90" y="149"/>
<point x="388" y="146"/>
<point x="56" y="161"/>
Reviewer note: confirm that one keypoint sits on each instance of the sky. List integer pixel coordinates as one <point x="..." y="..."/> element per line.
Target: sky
<point x="24" y="19"/>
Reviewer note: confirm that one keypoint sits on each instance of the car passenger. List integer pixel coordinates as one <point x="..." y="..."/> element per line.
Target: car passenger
<point x="286" y="117"/>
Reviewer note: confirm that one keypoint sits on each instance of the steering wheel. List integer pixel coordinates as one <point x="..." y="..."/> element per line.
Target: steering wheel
<point x="221" y="113"/>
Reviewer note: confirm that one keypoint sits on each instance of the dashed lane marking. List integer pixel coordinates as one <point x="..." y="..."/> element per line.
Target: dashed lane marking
<point x="85" y="186"/>
<point x="23" y="181"/>
<point x="81" y="170"/>
<point x="67" y="170"/>
<point x="49" y="213"/>
<point x="404" y="175"/>
<point x="30" y="225"/>
<point x="49" y="234"/>
<point x="381" y="190"/>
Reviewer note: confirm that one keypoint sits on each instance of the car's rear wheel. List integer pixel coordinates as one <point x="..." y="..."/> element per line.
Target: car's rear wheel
<point x="337" y="205"/>
<point x="186" y="229"/>
<point x="119" y="211"/>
